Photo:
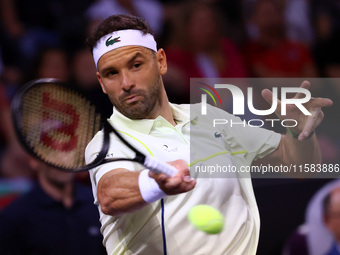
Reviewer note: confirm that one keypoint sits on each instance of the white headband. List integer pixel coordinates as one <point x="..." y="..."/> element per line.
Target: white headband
<point x="122" y="38"/>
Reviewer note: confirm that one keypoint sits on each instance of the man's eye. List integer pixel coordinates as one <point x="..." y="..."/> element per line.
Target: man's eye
<point x="111" y="73"/>
<point x="137" y="65"/>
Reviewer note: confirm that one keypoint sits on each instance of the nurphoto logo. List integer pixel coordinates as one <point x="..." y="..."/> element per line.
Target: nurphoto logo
<point x="239" y="99"/>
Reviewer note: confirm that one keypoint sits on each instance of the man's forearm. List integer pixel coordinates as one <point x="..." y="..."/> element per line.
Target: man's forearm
<point x="122" y="191"/>
<point x="300" y="152"/>
<point x="118" y="192"/>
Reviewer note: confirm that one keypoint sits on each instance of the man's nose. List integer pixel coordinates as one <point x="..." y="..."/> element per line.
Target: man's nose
<point x="127" y="81"/>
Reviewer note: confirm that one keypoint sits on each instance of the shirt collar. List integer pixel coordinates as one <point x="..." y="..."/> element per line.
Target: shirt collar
<point x="181" y="115"/>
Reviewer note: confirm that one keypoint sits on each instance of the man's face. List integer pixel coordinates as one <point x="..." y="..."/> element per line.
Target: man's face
<point x="268" y="18"/>
<point x="50" y="175"/>
<point x="131" y="77"/>
<point x="332" y="219"/>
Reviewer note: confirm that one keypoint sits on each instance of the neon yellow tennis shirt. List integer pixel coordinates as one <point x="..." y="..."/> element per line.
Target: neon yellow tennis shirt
<point x="202" y="146"/>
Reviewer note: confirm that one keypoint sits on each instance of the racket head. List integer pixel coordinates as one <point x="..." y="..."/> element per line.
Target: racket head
<point x="55" y="123"/>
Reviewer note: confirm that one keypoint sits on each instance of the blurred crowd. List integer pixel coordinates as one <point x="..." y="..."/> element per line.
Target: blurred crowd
<point x="202" y="38"/>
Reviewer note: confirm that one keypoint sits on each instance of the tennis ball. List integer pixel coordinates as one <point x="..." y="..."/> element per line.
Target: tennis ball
<point x="206" y="218"/>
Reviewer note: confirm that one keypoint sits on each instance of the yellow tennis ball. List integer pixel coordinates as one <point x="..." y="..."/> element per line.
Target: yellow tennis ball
<point x="206" y="218"/>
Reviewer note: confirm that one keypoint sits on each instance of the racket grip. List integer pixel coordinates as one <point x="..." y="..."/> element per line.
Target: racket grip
<point x="159" y="167"/>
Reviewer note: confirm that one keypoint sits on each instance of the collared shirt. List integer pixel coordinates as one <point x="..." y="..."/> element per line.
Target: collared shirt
<point x="194" y="140"/>
<point x="35" y="223"/>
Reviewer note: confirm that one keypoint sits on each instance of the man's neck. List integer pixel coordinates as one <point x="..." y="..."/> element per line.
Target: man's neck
<point x="166" y="112"/>
<point x="162" y="108"/>
<point x="59" y="192"/>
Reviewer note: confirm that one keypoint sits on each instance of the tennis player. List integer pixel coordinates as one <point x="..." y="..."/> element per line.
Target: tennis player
<point x="146" y="213"/>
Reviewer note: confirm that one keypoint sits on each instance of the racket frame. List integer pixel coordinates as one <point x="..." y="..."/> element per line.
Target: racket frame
<point x="107" y="129"/>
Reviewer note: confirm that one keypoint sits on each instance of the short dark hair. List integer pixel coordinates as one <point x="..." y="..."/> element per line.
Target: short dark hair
<point x="116" y="23"/>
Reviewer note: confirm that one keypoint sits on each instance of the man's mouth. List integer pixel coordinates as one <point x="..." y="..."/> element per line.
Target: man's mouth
<point x="132" y="99"/>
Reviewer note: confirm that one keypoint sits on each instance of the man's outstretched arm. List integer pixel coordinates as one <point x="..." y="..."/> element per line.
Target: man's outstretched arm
<point x="304" y="148"/>
<point x="120" y="190"/>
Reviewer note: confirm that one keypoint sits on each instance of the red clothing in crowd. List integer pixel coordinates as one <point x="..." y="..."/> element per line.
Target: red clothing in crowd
<point x="287" y="59"/>
<point x="187" y="62"/>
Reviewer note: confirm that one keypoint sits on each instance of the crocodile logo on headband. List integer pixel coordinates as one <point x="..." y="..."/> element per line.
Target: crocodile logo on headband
<point x="110" y="41"/>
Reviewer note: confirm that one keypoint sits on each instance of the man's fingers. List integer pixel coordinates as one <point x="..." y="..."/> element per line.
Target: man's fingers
<point x="181" y="182"/>
<point x="267" y="95"/>
<point x="184" y="171"/>
<point x="190" y="186"/>
<point x="304" y="85"/>
<point x="173" y="182"/>
<point x="311" y="123"/>
<point x="317" y="116"/>
<point x="180" y="164"/>
<point x="307" y="129"/>
<point x="187" y="178"/>
<point x="322" y="102"/>
<point x="159" y="177"/>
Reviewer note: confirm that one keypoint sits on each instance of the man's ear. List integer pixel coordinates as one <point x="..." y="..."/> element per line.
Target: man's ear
<point x="162" y="63"/>
<point x="100" y="82"/>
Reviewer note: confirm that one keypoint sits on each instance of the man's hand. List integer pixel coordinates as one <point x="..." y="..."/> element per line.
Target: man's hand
<point x="306" y="123"/>
<point x="180" y="183"/>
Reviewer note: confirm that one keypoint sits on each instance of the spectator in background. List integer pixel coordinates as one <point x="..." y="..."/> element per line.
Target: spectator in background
<point x="272" y="54"/>
<point x="325" y="15"/>
<point x="76" y="70"/>
<point x="320" y="234"/>
<point x="298" y="22"/>
<point x="28" y="25"/>
<point x="296" y="15"/>
<point x="331" y="210"/>
<point x="327" y="32"/>
<point x="6" y="130"/>
<point x="9" y="78"/>
<point x="51" y="62"/>
<point x="328" y="134"/>
<point x="57" y="216"/>
<point x="12" y="157"/>
<point x="84" y="78"/>
<point x="151" y="10"/>
<point x="32" y="24"/>
<point x="198" y="48"/>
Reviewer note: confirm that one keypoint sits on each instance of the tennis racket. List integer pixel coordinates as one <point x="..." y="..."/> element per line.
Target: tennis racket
<point x="55" y="122"/>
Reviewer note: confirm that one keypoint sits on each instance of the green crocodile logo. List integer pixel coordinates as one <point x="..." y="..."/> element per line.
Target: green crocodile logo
<point x="110" y="42"/>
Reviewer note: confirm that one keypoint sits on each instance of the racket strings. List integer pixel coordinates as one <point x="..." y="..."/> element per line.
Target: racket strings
<point x="57" y="124"/>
